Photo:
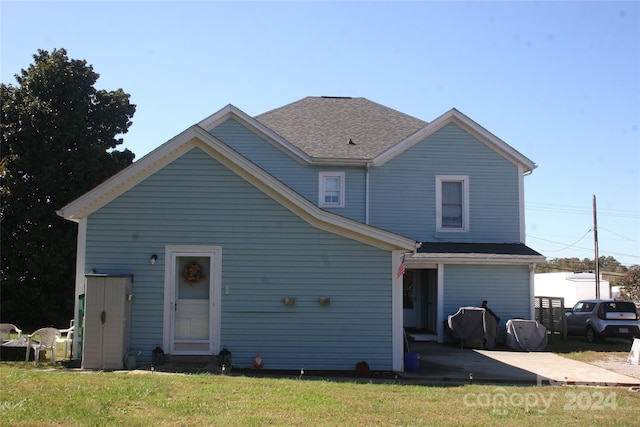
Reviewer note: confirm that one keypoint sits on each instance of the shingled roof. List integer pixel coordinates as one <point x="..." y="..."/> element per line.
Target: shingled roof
<point x="487" y="253"/>
<point x="341" y="127"/>
<point x="477" y="248"/>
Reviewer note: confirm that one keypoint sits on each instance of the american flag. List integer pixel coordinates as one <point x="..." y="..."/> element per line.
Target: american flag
<point x="402" y="268"/>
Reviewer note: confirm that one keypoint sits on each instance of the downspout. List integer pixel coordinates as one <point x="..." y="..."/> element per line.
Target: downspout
<point x="440" y="317"/>
<point x="366" y="193"/>
<point x="532" y="291"/>
<point x="521" y="175"/>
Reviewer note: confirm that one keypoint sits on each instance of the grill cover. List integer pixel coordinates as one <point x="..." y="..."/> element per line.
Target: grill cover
<point x="527" y="335"/>
<point x="474" y="327"/>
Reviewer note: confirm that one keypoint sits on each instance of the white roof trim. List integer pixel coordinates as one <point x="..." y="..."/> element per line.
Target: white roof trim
<point x="231" y="111"/>
<point x="455" y="116"/>
<point x="126" y="179"/>
<point x="281" y="143"/>
<point x="195" y="136"/>
<point x="452" y="115"/>
<point x="473" y="258"/>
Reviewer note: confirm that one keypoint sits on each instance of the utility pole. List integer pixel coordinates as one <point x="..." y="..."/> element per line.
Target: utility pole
<point x="595" y="244"/>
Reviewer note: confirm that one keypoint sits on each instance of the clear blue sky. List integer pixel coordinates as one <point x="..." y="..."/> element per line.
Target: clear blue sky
<point x="558" y="81"/>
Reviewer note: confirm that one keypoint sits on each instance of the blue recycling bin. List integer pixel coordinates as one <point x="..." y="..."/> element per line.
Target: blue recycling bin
<point x="411" y="362"/>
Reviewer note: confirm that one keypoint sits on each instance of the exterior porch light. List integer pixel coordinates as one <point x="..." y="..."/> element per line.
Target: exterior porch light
<point x="289" y="301"/>
<point x="153" y="259"/>
<point x="324" y="301"/>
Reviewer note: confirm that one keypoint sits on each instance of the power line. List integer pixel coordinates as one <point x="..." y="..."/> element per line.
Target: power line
<point x="566" y="247"/>
<point x="580" y="210"/>
<point x="609" y="253"/>
<point x="619" y="235"/>
<point x="559" y="209"/>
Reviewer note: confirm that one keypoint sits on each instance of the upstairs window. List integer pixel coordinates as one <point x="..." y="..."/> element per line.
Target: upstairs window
<point x="331" y="190"/>
<point x="452" y="203"/>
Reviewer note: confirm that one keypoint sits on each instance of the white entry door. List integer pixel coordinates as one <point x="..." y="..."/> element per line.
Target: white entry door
<point x="192" y="294"/>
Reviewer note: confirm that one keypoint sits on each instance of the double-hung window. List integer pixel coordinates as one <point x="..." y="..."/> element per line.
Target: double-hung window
<point x="452" y="203"/>
<point x="331" y="190"/>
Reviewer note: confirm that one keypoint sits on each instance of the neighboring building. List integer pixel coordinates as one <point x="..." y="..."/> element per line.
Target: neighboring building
<point x="573" y="287"/>
<point x="283" y="234"/>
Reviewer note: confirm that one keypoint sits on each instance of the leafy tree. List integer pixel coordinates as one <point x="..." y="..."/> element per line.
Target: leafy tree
<point x="607" y="264"/>
<point x="612" y="265"/>
<point x="630" y="286"/>
<point x="58" y="141"/>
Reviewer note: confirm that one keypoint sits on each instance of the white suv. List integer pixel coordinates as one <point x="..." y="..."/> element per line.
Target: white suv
<point x="598" y="319"/>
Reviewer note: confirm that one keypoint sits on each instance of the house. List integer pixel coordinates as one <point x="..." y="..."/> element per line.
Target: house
<point x="573" y="287"/>
<point x="286" y="234"/>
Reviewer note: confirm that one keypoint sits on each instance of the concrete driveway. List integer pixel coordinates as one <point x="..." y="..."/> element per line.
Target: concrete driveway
<point x="441" y="363"/>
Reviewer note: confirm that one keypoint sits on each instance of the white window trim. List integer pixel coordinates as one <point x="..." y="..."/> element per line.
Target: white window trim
<point x="465" y="202"/>
<point x="321" y="189"/>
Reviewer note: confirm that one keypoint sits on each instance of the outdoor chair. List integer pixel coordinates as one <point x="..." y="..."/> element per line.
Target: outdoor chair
<point x="42" y="339"/>
<point x="6" y="329"/>
<point x="66" y="337"/>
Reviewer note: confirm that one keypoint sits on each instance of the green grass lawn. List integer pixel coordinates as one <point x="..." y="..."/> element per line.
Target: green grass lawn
<point x="578" y="348"/>
<point x="47" y="395"/>
<point x="42" y="396"/>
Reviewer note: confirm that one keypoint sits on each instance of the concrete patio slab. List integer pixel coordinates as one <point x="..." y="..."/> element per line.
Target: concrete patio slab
<point x="441" y="362"/>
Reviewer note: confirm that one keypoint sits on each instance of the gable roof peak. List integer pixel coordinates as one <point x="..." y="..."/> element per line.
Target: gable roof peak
<point x="320" y="126"/>
<point x="356" y="131"/>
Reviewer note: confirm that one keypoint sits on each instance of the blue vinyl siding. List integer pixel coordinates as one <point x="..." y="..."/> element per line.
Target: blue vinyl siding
<point x="300" y="177"/>
<point x="268" y="253"/>
<point x="506" y="288"/>
<point x="403" y="190"/>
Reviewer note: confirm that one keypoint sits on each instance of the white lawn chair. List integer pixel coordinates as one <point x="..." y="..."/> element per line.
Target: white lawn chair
<point x="6" y="329"/>
<point x="42" y="339"/>
<point x="66" y="337"/>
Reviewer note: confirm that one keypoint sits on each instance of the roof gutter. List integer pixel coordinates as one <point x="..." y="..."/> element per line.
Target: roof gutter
<point x="471" y="258"/>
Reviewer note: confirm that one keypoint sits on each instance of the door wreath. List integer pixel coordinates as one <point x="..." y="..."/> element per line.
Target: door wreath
<point x="192" y="273"/>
